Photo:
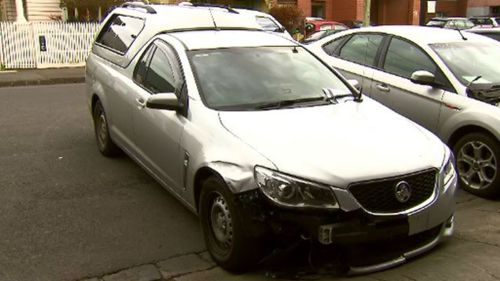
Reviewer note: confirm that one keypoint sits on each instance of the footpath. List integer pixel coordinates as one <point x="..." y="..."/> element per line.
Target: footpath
<point x="11" y="78"/>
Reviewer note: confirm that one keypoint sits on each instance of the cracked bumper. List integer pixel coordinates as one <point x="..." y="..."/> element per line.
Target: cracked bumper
<point x="416" y="232"/>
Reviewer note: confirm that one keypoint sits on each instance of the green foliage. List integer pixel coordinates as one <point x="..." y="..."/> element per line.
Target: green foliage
<point x="290" y="16"/>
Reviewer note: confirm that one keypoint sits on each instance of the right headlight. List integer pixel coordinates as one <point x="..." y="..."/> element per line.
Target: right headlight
<point x="289" y="191"/>
<point x="447" y="172"/>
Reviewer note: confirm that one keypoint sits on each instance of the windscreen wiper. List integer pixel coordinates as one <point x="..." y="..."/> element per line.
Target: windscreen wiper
<point x="332" y="96"/>
<point x="288" y="103"/>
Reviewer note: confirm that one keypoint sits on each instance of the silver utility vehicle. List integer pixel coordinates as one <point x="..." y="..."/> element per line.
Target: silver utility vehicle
<point x="445" y="80"/>
<point x="261" y="139"/>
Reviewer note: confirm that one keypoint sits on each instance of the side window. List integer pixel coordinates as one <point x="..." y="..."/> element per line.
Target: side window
<point x="160" y="76"/>
<point x="404" y="58"/>
<point x="331" y="46"/>
<point x="120" y="32"/>
<point x="142" y="66"/>
<point x="469" y="24"/>
<point x="361" y="48"/>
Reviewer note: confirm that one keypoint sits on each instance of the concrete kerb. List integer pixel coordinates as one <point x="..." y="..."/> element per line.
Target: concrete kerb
<point x="165" y="270"/>
<point x="51" y="81"/>
<point x="47" y="76"/>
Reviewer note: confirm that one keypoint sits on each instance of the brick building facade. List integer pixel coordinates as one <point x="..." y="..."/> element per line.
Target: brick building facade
<point x="396" y="11"/>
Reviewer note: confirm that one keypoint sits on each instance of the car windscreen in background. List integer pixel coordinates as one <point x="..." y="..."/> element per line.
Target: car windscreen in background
<point x="469" y="60"/>
<point x="436" y="23"/>
<point x="267" y="24"/>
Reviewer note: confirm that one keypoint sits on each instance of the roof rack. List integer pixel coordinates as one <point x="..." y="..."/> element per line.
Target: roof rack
<point x="139" y="5"/>
<point x="229" y="9"/>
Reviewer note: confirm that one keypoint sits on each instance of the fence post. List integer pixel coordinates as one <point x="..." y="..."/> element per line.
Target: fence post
<point x="2" y="64"/>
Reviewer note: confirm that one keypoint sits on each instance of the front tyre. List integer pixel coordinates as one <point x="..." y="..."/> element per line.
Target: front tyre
<point x="223" y="228"/>
<point x="478" y="164"/>
<point x="104" y="142"/>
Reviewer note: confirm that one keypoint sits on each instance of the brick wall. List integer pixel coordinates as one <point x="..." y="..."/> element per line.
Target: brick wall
<point x="347" y="10"/>
<point x="483" y="3"/>
<point x="305" y="7"/>
<point x="395" y="12"/>
<point x="452" y="8"/>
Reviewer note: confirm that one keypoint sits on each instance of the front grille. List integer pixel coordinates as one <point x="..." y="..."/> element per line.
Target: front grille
<point x="379" y="196"/>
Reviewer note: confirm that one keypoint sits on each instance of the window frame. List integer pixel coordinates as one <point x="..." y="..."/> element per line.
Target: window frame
<point x="447" y="86"/>
<point x="107" y="26"/>
<point x="149" y="50"/>
<point x="180" y="90"/>
<point x="177" y="69"/>
<point x="376" y="58"/>
<point x="169" y="69"/>
<point x="342" y="39"/>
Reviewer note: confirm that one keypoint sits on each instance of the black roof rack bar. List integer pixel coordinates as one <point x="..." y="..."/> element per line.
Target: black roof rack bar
<point x="139" y="5"/>
<point x="229" y="9"/>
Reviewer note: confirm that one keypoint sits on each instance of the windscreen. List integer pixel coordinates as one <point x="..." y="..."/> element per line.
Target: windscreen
<point x="267" y="24"/>
<point x="242" y="78"/>
<point x="436" y="23"/>
<point x="468" y="60"/>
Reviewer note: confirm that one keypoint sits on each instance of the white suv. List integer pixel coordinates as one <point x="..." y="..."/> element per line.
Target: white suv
<point x="261" y="139"/>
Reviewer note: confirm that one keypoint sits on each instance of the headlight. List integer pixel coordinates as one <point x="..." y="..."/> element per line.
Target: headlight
<point x="293" y="192"/>
<point x="447" y="172"/>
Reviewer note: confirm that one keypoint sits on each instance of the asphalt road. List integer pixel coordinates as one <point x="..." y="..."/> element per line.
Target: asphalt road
<point x="66" y="212"/>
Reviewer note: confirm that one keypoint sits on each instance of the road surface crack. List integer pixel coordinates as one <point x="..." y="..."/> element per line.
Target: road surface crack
<point x="476" y="241"/>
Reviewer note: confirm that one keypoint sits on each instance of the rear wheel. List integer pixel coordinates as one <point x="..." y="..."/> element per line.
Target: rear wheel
<point x="478" y="164"/>
<point x="104" y="142"/>
<point x="223" y="229"/>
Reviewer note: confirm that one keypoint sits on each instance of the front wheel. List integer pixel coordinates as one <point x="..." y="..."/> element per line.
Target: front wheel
<point x="104" y="142"/>
<point x="478" y="164"/>
<point x="223" y="228"/>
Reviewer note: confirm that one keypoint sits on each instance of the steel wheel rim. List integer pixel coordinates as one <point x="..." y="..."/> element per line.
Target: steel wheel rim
<point x="221" y="224"/>
<point x="102" y="129"/>
<point x="477" y="165"/>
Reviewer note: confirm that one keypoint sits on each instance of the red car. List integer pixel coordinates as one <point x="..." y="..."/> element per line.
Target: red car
<point x="315" y="25"/>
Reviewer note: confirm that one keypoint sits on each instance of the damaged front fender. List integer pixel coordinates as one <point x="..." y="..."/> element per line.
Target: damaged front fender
<point x="238" y="178"/>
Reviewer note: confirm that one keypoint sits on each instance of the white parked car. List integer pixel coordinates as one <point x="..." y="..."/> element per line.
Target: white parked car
<point x="445" y="80"/>
<point x="261" y="139"/>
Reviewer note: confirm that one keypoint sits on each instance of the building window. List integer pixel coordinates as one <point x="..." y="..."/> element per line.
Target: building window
<point x="495" y="10"/>
<point x="318" y="9"/>
<point x="287" y="2"/>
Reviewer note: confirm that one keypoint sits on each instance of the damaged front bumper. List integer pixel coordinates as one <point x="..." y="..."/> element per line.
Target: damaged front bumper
<point x="391" y="238"/>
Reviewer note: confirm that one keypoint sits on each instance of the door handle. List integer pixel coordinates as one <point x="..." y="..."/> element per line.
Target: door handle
<point x="140" y="103"/>
<point x="383" y="88"/>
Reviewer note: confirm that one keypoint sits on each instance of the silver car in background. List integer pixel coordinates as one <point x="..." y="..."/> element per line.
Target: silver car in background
<point x="261" y="139"/>
<point x="445" y="80"/>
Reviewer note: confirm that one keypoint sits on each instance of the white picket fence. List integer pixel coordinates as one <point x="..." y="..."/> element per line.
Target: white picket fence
<point x="45" y="44"/>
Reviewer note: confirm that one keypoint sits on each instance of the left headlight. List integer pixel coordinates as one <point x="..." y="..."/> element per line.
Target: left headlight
<point x="447" y="172"/>
<point x="289" y="191"/>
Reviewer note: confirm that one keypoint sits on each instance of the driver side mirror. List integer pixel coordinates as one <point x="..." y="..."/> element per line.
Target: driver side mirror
<point x="423" y="77"/>
<point x="166" y="101"/>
